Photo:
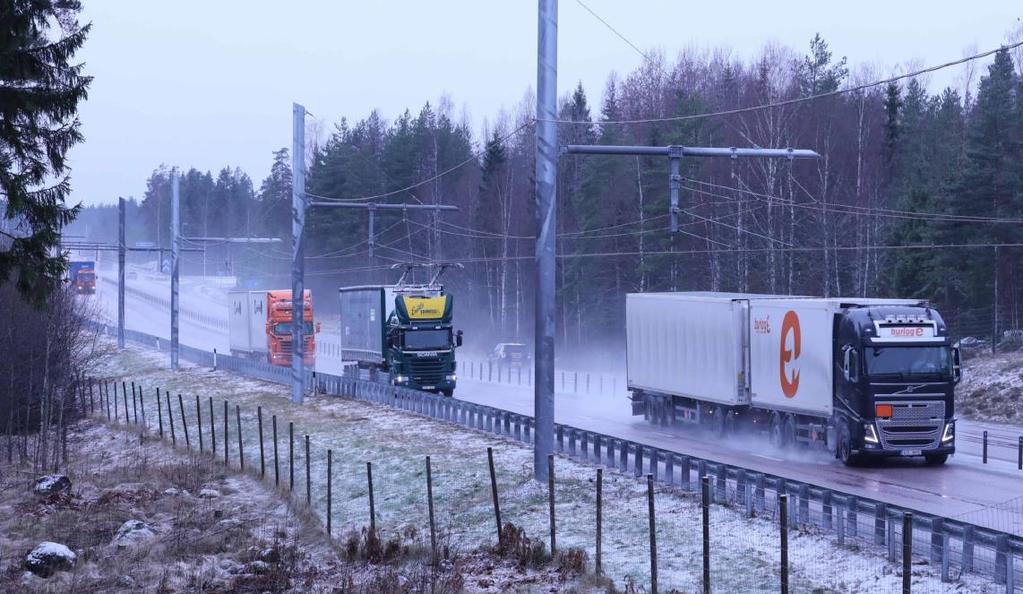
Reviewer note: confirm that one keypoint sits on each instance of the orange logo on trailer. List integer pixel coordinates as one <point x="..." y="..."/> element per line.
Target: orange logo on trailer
<point x="788" y="369"/>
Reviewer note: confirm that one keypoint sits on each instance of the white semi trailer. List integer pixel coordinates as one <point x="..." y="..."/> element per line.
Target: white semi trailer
<point x="861" y="377"/>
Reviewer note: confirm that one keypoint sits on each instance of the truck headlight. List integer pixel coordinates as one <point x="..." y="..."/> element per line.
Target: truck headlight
<point x="950" y="432"/>
<point x="401" y="379"/>
<point x="870" y="434"/>
<point x="451" y="377"/>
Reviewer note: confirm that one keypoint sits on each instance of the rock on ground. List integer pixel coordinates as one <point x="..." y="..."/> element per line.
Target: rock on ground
<point x="133" y="533"/>
<point x="48" y="558"/>
<point x="51" y="484"/>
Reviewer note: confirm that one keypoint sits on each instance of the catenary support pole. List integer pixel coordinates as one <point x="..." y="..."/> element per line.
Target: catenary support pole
<point x="546" y="187"/>
<point x="120" y="272"/>
<point x="298" y="203"/>
<point x="175" y="246"/>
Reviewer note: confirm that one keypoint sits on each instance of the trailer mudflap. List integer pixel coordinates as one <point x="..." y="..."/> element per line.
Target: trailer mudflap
<point x="638" y="400"/>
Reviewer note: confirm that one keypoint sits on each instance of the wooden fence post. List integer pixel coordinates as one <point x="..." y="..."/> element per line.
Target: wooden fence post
<point x="291" y="455"/>
<point x="783" y="525"/>
<point x="159" y="409"/>
<point x="213" y="430"/>
<point x="241" y="445"/>
<point x="308" y="477"/>
<point x="705" y="484"/>
<point x="134" y="404"/>
<point x="277" y="466"/>
<point x="262" y="455"/>
<point x="198" y="418"/>
<point x="493" y="492"/>
<point x="184" y="422"/>
<point x="372" y="507"/>
<point x="170" y="419"/>
<point x="330" y="492"/>
<point x="598" y="569"/>
<point x="429" y="502"/>
<point x="227" y="431"/>
<point x="550" y="491"/>
<point x="653" y="527"/>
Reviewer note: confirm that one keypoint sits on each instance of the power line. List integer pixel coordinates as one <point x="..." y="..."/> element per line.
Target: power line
<point x="615" y="31"/>
<point x="797" y="100"/>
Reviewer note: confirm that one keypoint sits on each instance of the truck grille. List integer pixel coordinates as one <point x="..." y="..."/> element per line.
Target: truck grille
<point x="915" y="425"/>
<point x="427" y="372"/>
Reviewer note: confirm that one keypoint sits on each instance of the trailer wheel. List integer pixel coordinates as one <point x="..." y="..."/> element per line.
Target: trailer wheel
<point x="789" y="431"/>
<point x="718" y="425"/>
<point x="776" y="431"/>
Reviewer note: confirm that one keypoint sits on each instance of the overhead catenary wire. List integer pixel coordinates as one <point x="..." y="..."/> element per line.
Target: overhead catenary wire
<point x="795" y="100"/>
<point x="837" y="207"/>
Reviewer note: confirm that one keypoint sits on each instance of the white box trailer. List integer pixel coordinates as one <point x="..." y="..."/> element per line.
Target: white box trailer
<point x="364" y="313"/>
<point x="790" y="355"/>
<point x="771" y="352"/>
<point x="688" y="344"/>
<point x="247" y="322"/>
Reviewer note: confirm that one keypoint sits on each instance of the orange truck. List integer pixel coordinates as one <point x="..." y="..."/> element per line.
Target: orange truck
<point x="260" y="326"/>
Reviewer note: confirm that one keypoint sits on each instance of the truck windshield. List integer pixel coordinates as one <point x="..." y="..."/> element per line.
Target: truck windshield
<point x="428" y="339"/>
<point x="285" y="328"/>
<point x="906" y="362"/>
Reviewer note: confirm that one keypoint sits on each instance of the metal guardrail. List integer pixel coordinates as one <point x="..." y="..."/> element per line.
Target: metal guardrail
<point x="956" y="546"/>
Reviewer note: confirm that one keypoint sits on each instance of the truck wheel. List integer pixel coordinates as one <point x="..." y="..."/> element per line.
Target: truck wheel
<point x="843" y="449"/>
<point x="935" y="459"/>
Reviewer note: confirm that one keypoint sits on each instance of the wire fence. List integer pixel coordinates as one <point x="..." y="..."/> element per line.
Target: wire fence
<point x="680" y="527"/>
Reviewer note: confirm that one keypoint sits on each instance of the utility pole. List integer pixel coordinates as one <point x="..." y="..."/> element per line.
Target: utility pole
<point x="546" y="230"/>
<point x="175" y="246"/>
<point x="297" y="253"/>
<point x="120" y="273"/>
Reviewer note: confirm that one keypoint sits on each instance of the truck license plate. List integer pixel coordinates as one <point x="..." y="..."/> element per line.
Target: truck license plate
<point x="912" y="452"/>
<point x="429" y="387"/>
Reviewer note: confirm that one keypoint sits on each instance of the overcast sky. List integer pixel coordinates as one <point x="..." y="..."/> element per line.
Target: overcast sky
<point x="201" y="83"/>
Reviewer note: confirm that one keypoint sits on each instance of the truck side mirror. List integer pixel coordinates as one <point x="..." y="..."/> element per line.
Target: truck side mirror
<point x="957" y="365"/>
<point x="458" y="338"/>
<point x="317" y="327"/>
<point x="850" y="365"/>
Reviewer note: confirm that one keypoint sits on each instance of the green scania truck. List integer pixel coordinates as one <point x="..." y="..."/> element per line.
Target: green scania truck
<point x="403" y="331"/>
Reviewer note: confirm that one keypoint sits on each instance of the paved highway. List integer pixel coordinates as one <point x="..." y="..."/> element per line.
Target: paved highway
<point x="966" y="489"/>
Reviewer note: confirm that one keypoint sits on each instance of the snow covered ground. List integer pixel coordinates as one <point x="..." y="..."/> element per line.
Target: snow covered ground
<point x="745" y="552"/>
<point x="991" y="388"/>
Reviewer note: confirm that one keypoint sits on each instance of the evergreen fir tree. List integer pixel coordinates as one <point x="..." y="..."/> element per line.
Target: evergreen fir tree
<point x="41" y="90"/>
